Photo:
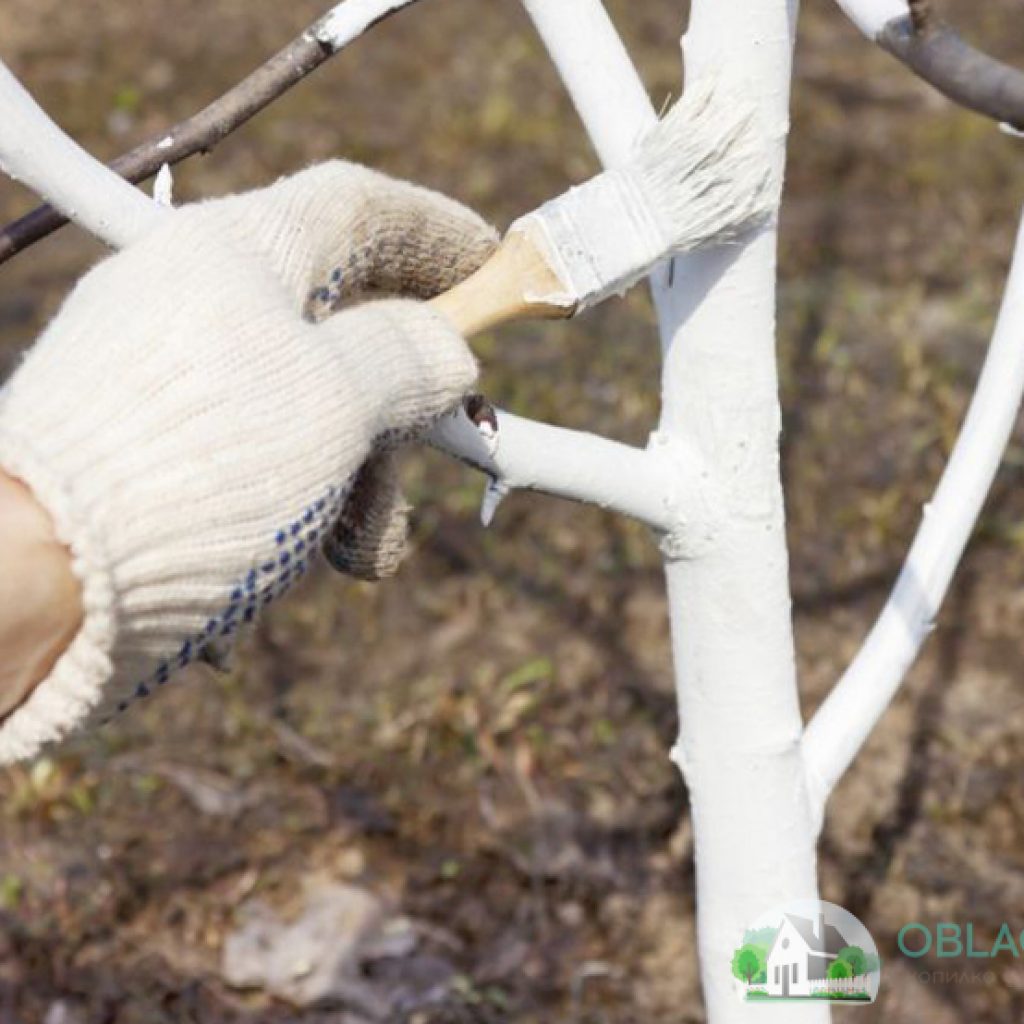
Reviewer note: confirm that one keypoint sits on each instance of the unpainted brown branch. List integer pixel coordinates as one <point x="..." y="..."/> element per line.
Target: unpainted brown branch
<point x="197" y="134"/>
<point x="938" y="54"/>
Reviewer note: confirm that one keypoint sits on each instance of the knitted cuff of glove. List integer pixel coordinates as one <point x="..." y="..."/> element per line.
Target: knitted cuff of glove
<point x="67" y="696"/>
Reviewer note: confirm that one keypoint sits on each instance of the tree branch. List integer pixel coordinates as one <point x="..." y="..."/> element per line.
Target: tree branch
<point x="521" y="454"/>
<point x="518" y="453"/>
<point x="912" y="32"/>
<point x="35" y="151"/>
<point x="201" y="132"/>
<point x="845" y="720"/>
<point x="612" y="104"/>
<point x="935" y="52"/>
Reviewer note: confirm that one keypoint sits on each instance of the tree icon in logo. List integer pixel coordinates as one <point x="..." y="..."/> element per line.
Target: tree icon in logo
<point x="748" y="963"/>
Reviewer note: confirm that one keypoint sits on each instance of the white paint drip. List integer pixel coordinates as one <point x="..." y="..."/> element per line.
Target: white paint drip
<point x="163" y="186"/>
<point x="494" y="494"/>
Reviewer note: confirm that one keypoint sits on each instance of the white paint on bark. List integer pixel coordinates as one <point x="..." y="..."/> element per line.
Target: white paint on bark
<point x="34" y="151"/>
<point x="37" y="153"/>
<point x="871" y="16"/>
<point x="740" y="723"/>
<point x="650" y="485"/>
<point x="351" y="18"/>
<point x="739" y="742"/>
<point x="598" y="73"/>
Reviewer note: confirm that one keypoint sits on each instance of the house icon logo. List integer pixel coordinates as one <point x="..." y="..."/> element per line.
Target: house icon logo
<point x="807" y="949"/>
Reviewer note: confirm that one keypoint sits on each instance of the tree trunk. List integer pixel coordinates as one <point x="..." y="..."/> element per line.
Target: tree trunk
<point x="740" y="726"/>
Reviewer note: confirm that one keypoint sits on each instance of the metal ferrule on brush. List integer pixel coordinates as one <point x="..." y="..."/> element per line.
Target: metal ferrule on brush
<point x="599" y="238"/>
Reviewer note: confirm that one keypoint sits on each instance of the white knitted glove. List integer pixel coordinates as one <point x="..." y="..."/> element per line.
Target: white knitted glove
<point x="194" y="435"/>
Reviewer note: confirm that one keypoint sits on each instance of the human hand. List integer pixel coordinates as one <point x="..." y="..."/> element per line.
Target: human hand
<point x="194" y="432"/>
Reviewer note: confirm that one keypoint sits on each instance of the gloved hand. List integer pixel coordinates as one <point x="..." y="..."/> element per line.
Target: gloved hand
<point x="194" y="434"/>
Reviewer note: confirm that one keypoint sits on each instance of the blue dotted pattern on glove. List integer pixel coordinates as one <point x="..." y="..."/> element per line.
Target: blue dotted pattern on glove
<point x="294" y="545"/>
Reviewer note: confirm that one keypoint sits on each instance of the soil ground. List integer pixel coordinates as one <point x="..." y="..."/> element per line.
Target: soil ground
<point x="482" y="741"/>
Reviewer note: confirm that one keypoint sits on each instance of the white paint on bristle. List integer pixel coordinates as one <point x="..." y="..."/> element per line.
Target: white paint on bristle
<point x="700" y="177"/>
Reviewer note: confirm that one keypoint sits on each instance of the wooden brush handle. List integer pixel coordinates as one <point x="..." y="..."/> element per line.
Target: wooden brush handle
<point x="497" y="292"/>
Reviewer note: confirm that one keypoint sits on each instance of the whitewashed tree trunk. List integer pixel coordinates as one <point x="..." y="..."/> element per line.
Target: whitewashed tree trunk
<point x="726" y="561"/>
<point x="739" y="744"/>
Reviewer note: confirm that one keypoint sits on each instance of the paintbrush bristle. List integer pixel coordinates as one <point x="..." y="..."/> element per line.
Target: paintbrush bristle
<point x="702" y="176"/>
<point x="706" y="170"/>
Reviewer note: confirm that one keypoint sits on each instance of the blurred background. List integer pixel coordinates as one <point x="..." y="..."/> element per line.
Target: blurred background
<point x="469" y="763"/>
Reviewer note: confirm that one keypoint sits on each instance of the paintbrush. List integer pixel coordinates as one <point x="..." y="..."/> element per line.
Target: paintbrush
<point x="701" y="176"/>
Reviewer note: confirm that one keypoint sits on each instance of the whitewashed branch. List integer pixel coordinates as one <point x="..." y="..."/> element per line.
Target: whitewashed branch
<point x="34" y="151"/>
<point x="521" y="454"/>
<point x="604" y="86"/>
<point x="527" y="455"/>
<point x="342" y="24"/>
<point x="348" y="20"/>
<point x="597" y="72"/>
<point x="871" y="16"/>
<point x="853" y="708"/>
